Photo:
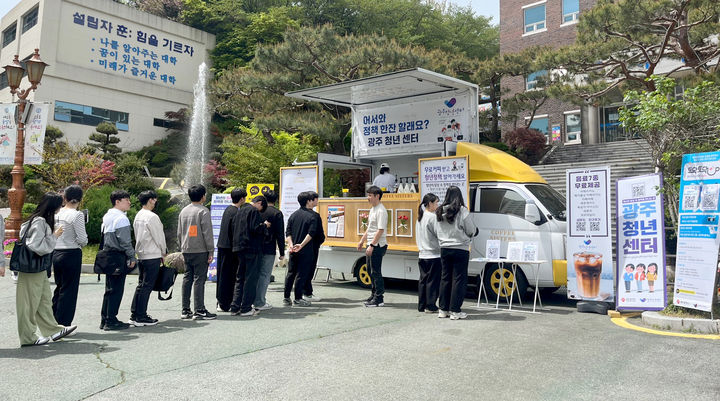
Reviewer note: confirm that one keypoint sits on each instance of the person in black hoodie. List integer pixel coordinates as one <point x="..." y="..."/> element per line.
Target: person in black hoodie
<point x="248" y="234"/>
<point x="317" y="241"/>
<point x="300" y="233"/>
<point x="227" y="262"/>
<point x="274" y="238"/>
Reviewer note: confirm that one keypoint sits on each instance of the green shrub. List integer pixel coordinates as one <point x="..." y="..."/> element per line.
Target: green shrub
<point x="130" y="174"/>
<point x="159" y="158"/>
<point x="35" y="189"/>
<point x="28" y="209"/>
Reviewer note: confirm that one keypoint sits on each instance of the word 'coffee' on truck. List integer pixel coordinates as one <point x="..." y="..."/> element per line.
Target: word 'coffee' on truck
<point x="400" y="118"/>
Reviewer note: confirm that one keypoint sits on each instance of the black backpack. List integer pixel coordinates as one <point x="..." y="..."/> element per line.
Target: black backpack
<point x="165" y="281"/>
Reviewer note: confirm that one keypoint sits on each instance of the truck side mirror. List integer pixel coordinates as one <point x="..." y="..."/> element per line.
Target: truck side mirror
<point x="532" y="213"/>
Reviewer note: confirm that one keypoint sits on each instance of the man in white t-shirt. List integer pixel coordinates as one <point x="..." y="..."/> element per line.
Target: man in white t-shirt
<point x="377" y="245"/>
<point x="385" y="180"/>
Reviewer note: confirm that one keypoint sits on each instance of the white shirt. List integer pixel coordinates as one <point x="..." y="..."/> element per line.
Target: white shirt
<point x="386" y="182"/>
<point x="73" y="224"/>
<point x="377" y="218"/>
<point x="149" y="235"/>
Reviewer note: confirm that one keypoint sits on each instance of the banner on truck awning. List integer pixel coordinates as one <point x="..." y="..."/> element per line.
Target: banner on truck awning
<point x="698" y="240"/>
<point x="437" y="174"/>
<point x="415" y="127"/>
<point x="640" y="244"/>
<point x="294" y="180"/>
<point x="589" y="239"/>
<point x="219" y="203"/>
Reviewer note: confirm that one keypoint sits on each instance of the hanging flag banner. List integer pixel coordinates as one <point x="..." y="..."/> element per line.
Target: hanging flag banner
<point x="8" y="133"/>
<point x="589" y="240"/>
<point x="219" y="203"/>
<point x="294" y="180"/>
<point x="698" y="241"/>
<point x="35" y="132"/>
<point x="640" y="244"/>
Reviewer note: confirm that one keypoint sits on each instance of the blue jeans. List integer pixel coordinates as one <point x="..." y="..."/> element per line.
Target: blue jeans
<point x="266" y="267"/>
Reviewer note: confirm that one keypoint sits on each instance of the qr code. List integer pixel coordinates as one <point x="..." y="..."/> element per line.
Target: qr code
<point x="638" y="190"/>
<point x="580" y="225"/>
<point x="595" y="226"/>
<point x="689" y="202"/>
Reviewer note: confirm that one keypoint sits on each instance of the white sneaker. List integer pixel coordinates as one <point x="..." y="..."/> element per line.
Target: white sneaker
<point x="267" y="306"/>
<point x="251" y="312"/>
<point x="312" y="298"/>
<point x="458" y="315"/>
<point x="443" y="314"/>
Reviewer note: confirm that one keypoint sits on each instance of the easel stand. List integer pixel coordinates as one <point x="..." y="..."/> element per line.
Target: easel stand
<point x="514" y="265"/>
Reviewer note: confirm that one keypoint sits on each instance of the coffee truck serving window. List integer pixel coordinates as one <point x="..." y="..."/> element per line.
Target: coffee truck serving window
<point x="339" y="176"/>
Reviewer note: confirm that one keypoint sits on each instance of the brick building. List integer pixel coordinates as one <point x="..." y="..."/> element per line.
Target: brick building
<point x="527" y="23"/>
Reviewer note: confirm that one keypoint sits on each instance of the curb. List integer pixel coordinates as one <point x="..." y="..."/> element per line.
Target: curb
<point x="706" y="326"/>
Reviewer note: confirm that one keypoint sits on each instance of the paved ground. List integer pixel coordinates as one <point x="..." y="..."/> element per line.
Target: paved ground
<point x="339" y="350"/>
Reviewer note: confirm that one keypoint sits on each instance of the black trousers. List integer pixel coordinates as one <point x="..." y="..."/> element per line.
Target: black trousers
<point x="227" y="267"/>
<point x="429" y="284"/>
<point x="308" y="288"/>
<point x="67" y="265"/>
<point x="148" y="270"/>
<point x="300" y="270"/>
<point x="454" y="277"/>
<point x="246" y="281"/>
<point x="374" y="266"/>
<point x="114" y="288"/>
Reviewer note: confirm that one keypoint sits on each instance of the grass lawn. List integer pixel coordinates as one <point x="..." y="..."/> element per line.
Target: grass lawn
<point x="89" y="252"/>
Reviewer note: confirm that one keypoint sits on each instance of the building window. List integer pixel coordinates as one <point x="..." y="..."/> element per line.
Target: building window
<point x="573" y="126"/>
<point x="679" y="92"/>
<point x="533" y="81"/>
<point x="571" y="10"/>
<point x="3" y="80"/>
<point x="534" y="18"/>
<point x="159" y="122"/>
<point x="540" y="124"/>
<point x="9" y="34"/>
<point x="30" y="19"/>
<point x="89" y="115"/>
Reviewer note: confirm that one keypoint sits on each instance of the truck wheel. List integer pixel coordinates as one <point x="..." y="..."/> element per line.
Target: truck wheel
<point x="362" y="275"/>
<point x="493" y="275"/>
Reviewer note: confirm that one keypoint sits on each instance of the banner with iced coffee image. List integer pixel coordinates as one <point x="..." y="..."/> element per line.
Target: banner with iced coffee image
<point x="589" y="238"/>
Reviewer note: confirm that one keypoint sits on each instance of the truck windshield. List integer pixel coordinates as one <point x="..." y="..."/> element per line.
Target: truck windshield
<point x="553" y="201"/>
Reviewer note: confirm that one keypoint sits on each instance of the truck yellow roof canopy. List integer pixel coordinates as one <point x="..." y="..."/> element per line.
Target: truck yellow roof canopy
<point x="490" y="164"/>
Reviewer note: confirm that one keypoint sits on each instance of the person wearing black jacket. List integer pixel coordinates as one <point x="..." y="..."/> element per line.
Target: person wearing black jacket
<point x="274" y="238"/>
<point x="227" y="262"/>
<point x="248" y="234"/>
<point x="317" y="241"/>
<point x="300" y="232"/>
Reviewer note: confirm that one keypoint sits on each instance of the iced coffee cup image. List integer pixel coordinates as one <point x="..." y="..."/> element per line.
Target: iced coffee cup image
<point x="588" y="269"/>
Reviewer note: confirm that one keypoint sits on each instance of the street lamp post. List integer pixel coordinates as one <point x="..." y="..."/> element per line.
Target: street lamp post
<point x="15" y="71"/>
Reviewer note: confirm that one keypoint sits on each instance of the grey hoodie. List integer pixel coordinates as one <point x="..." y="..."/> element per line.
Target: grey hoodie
<point x="455" y="235"/>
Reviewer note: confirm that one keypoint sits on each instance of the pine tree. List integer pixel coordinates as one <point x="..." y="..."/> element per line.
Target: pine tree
<point x="105" y="140"/>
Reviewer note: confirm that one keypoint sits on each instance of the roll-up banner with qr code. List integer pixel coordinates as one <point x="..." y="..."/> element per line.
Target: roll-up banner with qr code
<point x="698" y="241"/>
<point x="589" y="239"/>
<point x="437" y="174"/>
<point x="219" y="203"/>
<point x="640" y="244"/>
<point x="415" y="127"/>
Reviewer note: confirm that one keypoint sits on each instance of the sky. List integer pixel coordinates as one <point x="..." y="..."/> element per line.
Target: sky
<point x="488" y="8"/>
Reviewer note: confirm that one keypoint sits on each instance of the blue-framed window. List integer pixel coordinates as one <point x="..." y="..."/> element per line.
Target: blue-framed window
<point x="89" y="115"/>
<point x="9" y="34"/>
<point x="532" y="80"/>
<point x="540" y="124"/>
<point x="534" y="18"/>
<point x="30" y="19"/>
<point x="571" y="10"/>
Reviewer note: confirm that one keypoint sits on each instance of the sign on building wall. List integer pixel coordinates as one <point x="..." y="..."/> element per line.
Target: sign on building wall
<point x="437" y="174"/>
<point x="294" y="180"/>
<point x="92" y="39"/>
<point x="698" y="240"/>
<point x="640" y="243"/>
<point x="34" y="132"/>
<point x="589" y="240"/>
<point x="219" y="203"/>
<point x="412" y="127"/>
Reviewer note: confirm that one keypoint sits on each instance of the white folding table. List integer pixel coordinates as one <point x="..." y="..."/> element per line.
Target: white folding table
<point x="535" y="264"/>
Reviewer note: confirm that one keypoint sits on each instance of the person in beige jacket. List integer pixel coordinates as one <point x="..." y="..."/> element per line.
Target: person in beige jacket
<point x="151" y="249"/>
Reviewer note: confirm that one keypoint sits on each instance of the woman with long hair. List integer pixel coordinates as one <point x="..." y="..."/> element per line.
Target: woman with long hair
<point x="455" y="230"/>
<point x="428" y="253"/>
<point x="67" y="258"/>
<point x="33" y="298"/>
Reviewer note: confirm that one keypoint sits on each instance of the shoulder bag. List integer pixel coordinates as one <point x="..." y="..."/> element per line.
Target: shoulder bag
<point x="24" y="260"/>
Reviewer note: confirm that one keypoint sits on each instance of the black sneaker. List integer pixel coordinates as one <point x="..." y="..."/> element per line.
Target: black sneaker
<point x="116" y="326"/>
<point x="143" y="321"/>
<point x="204" y="315"/>
<point x="375" y="302"/>
<point x="370" y="298"/>
<point x="186" y="314"/>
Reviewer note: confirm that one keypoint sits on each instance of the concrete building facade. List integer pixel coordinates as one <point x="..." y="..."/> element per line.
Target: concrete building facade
<point x="107" y="62"/>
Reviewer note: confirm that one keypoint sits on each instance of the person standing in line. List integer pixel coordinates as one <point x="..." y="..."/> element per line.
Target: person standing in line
<point x="67" y="258"/>
<point x="317" y="241"/>
<point x="274" y="238"/>
<point x="151" y="249"/>
<point x="454" y="229"/>
<point x="116" y="237"/>
<point x="377" y="246"/>
<point x="429" y="254"/>
<point x="300" y="232"/>
<point x="32" y="299"/>
<point x="248" y="234"/>
<point x="385" y="180"/>
<point x="195" y="236"/>
<point x="227" y="261"/>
